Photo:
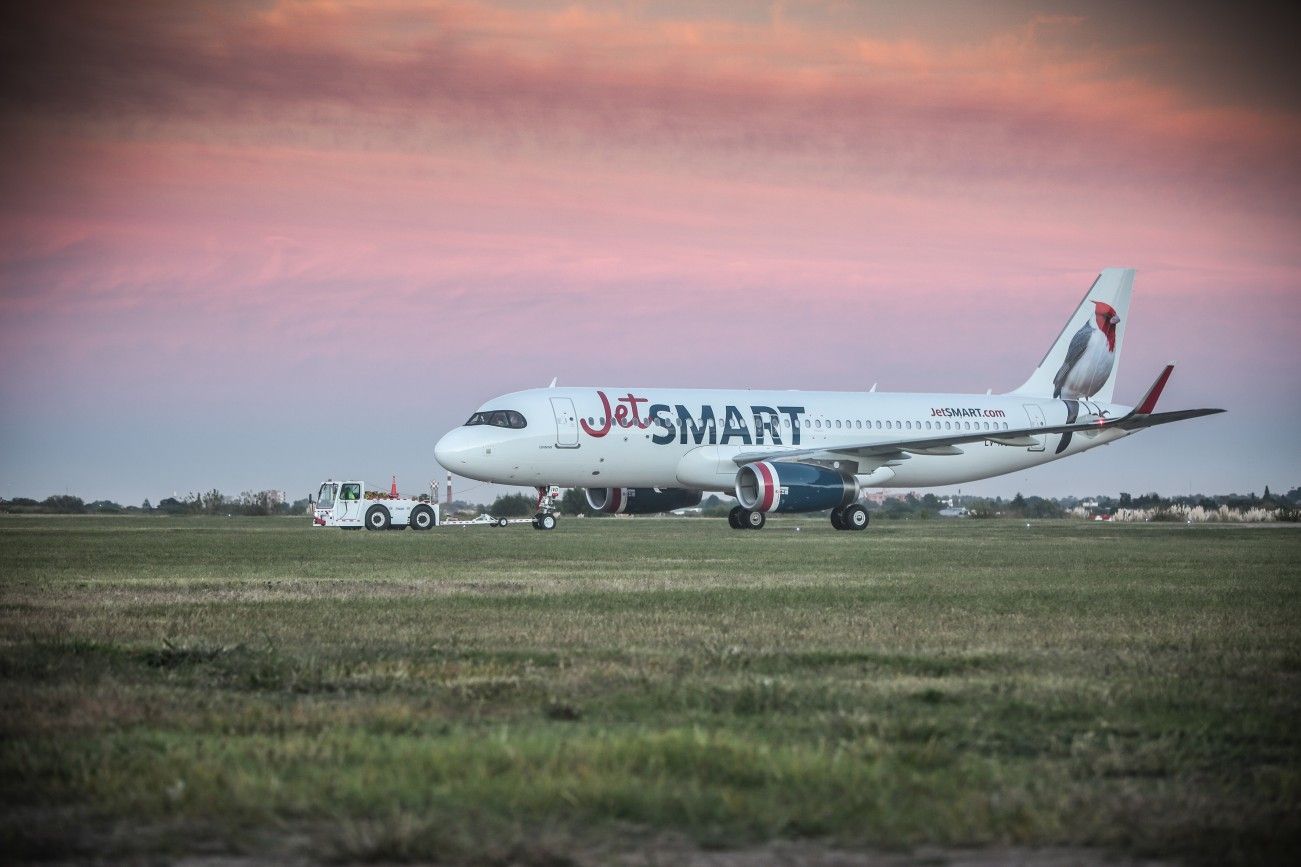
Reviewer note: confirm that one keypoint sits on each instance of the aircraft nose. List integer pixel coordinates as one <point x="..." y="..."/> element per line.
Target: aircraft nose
<point x="455" y="448"/>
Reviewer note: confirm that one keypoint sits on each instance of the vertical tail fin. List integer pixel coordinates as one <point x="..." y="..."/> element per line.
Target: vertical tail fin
<point x="1082" y="363"/>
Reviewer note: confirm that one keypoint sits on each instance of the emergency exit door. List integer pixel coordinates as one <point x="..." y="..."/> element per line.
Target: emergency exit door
<point x="1036" y="416"/>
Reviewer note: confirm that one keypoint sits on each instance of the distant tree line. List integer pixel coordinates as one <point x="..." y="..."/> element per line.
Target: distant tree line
<point x="213" y="502"/>
<point x="573" y="502"/>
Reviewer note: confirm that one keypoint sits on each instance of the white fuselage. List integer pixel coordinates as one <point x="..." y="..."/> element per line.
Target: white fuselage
<point x="671" y="437"/>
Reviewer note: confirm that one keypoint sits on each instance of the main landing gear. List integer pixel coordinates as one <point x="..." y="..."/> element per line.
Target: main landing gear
<point x="744" y="519"/>
<point x="852" y="517"/>
<point x="545" y="519"/>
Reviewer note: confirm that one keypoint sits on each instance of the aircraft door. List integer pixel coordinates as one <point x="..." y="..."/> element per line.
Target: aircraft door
<point x="566" y="423"/>
<point x="1036" y="415"/>
<point x="347" y="509"/>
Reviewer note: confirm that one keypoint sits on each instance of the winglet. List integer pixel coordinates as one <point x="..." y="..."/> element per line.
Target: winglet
<point x="1148" y="403"/>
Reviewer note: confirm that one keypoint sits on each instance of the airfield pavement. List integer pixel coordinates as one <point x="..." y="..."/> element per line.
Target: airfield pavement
<point x="225" y="691"/>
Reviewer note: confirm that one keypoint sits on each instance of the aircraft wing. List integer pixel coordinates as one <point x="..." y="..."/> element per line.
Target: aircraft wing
<point x="948" y="444"/>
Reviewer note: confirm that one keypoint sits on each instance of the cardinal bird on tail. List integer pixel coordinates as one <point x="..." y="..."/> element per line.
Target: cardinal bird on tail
<point x="1090" y="356"/>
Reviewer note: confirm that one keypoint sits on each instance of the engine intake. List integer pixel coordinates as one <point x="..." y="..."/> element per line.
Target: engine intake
<point x="640" y="501"/>
<point x="768" y="486"/>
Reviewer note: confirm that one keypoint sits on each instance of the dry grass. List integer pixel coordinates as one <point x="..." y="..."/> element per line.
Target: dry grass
<point x="262" y="688"/>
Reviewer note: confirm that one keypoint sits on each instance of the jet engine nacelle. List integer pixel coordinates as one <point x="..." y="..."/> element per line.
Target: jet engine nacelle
<point x="774" y="486"/>
<point x="640" y="501"/>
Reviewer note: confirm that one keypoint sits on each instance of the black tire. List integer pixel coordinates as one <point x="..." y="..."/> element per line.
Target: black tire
<point x="838" y="518"/>
<point x="547" y="522"/>
<point x="501" y="522"/>
<point x="734" y="518"/>
<point x="855" y="517"/>
<point x="422" y="518"/>
<point x="377" y="518"/>
<point x="754" y="520"/>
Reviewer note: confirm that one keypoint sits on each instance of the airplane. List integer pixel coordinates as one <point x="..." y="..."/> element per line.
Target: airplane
<point x="648" y="450"/>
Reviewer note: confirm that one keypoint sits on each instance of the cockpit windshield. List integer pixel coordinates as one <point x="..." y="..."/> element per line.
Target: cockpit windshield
<point x="498" y="418"/>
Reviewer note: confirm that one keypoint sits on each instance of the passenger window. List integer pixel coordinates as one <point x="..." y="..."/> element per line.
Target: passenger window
<point x="878" y="425"/>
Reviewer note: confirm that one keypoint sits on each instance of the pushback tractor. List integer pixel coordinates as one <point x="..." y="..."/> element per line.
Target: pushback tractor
<point x="351" y="506"/>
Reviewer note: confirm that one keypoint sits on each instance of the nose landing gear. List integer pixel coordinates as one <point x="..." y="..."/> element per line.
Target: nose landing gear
<point x="545" y="519"/>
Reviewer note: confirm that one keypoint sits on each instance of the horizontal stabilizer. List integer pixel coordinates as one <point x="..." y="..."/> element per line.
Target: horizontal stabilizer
<point x="1142" y="415"/>
<point x="1136" y="421"/>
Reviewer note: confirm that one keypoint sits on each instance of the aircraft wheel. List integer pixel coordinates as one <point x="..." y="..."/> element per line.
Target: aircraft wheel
<point x="855" y="517"/>
<point x="547" y="522"/>
<point x="734" y="518"/>
<point x="754" y="520"/>
<point x="377" y="518"/>
<point x="838" y="518"/>
<point x="422" y="518"/>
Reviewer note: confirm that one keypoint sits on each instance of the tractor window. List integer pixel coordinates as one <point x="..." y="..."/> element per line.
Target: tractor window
<point x="350" y="491"/>
<point x="325" y="497"/>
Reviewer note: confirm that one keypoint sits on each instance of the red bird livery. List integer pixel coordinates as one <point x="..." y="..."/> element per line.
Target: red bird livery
<point x="1090" y="356"/>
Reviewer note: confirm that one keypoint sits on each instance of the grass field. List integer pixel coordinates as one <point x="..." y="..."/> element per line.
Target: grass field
<point x="626" y="688"/>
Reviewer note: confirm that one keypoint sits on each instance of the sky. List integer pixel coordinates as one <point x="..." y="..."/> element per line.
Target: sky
<point x="250" y="245"/>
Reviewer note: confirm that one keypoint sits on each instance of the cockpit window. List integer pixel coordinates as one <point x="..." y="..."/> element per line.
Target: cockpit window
<point x="498" y="418"/>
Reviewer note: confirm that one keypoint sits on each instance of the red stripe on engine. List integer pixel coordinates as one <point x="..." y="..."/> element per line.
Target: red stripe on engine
<point x="614" y="501"/>
<point x="769" y="486"/>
